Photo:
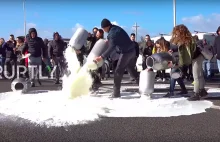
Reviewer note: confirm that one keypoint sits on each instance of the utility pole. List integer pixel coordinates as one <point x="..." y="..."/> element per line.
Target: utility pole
<point x="24" y="17"/>
<point x="136" y="27"/>
<point x="174" y="13"/>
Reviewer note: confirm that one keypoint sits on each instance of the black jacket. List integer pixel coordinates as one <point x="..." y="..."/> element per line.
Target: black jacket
<point x="56" y="48"/>
<point x="147" y="50"/>
<point x="35" y="46"/>
<point x="8" y="48"/>
<point x="216" y="46"/>
<point x="92" y="40"/>
<point x="118" y="37"/>
<point x="137" y="48"/>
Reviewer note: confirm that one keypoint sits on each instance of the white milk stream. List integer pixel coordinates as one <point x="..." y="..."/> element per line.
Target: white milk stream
<point x="55" y="108"/>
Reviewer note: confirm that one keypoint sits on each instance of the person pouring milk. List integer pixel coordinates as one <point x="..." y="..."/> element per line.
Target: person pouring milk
<point x="118" y="37"/>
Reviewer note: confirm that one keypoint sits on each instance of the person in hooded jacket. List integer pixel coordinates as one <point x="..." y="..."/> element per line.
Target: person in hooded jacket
<point x="36" y="48"/>
<point x="216" y="47"/>
<point x="56" y="48"/>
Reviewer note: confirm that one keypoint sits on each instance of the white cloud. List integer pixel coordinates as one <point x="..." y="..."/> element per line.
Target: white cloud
<point x="202" y="23"/>
<point x="31" y="25"/>
<point x="77" y="25"/>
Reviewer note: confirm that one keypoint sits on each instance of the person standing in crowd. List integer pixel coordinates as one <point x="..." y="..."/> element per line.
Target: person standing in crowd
<point x="182" y="41"/>
<point x="3" y="54"/>
<point x="118" y="37"/>
<point x="10" y="60"/>
<point x="137" y="49"/>
<point x="147" y="49"/>
<point x="216" y="47"/>
<point x="207" y="63"/>
<point x="12" y="39"/>
<point x="56" y="49"/>
<point x="96" y="74"/>
<point x="92" y="39"/>
<point x="36" y="48"/>
<point x="189" y="53"/>
<point x="18" y="51"/>
<point x="161" y="45"/>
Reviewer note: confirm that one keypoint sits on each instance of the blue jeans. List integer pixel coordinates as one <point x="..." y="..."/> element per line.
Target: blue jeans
<point x="206" y="65"/>
<point x="218" y="63"/>
<point x="173" y="84"/>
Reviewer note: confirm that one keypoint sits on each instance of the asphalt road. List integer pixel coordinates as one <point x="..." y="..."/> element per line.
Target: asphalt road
<point x="200" y="127"/>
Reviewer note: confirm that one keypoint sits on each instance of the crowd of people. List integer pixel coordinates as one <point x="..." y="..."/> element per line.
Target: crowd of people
<point x="122" y="53"/>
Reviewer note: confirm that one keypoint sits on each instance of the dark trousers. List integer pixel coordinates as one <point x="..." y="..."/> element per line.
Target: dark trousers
<point x="11" y="67"/>
<point x="144" y="66"/>
<point x="2" y="65"/>
<point x="114" y="65"/>
<point x="124" y="62"/>
<point x="22" y="63"/>
<point x="173" y="84"/>
<point x="161" y="74"/>
<point x="60" y="67"/>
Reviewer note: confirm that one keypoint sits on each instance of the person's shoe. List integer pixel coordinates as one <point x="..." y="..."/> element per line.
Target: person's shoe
<point x="168" y="95"/>
<point x="194" y="97"/>
<point x="32" y="84"/>
<point x="164" y="79"/>
<point x="57" y="82"/>
<point x="203" y="93"/>
<point x="115" y="94"/>
<point x="39" y="82"/>
<point x="159" y="80"/>
<point x="183" y="92"/>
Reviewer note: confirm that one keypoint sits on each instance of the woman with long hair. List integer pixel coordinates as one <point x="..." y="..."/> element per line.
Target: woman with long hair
<point x="182" y="39"/>
<point x="161" y="45"/>
<point x="189" y="53"/>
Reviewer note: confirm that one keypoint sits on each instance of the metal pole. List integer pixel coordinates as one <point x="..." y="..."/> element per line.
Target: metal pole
<point x="24" y="17"/>
<point x="136" y="27"/>
<point x="174" y="13"/>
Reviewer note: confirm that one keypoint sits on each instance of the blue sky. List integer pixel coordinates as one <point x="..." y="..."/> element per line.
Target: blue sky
<point x="153" y="16"/>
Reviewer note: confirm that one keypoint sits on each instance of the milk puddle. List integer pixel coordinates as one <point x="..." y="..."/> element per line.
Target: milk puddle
<point x="55" y="108"/>
<point x="52" y="109"/>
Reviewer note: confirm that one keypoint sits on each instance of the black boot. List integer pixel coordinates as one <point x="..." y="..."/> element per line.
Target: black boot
<point x="115" y="94"/>
<point x="168" y="95"/>
<point x="194" y="97"/>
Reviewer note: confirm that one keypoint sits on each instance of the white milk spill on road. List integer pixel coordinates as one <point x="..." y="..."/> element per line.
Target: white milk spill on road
<point x="52" y="109"/>
<point x="55" y="108"/>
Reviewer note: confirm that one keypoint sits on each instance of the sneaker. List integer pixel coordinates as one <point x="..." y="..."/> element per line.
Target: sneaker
<point x="164" y="79"/>
<point x="203" y="93"/>
<point x="168" y="95"/>
<point x="194" y="97"/>
<point x="159" y="80"/>
<point x="183" y="92"/>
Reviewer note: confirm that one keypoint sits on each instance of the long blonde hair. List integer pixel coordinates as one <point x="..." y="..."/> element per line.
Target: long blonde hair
<point x="181" y="35"/>
<point x="164" y="45"/>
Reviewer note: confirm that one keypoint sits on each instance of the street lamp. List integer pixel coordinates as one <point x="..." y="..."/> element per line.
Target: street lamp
<point x="24" y="17"/>
<point x="174" y="13"/>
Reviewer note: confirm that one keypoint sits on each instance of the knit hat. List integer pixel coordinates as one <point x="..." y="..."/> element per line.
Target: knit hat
<point x="105" y="23"/>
